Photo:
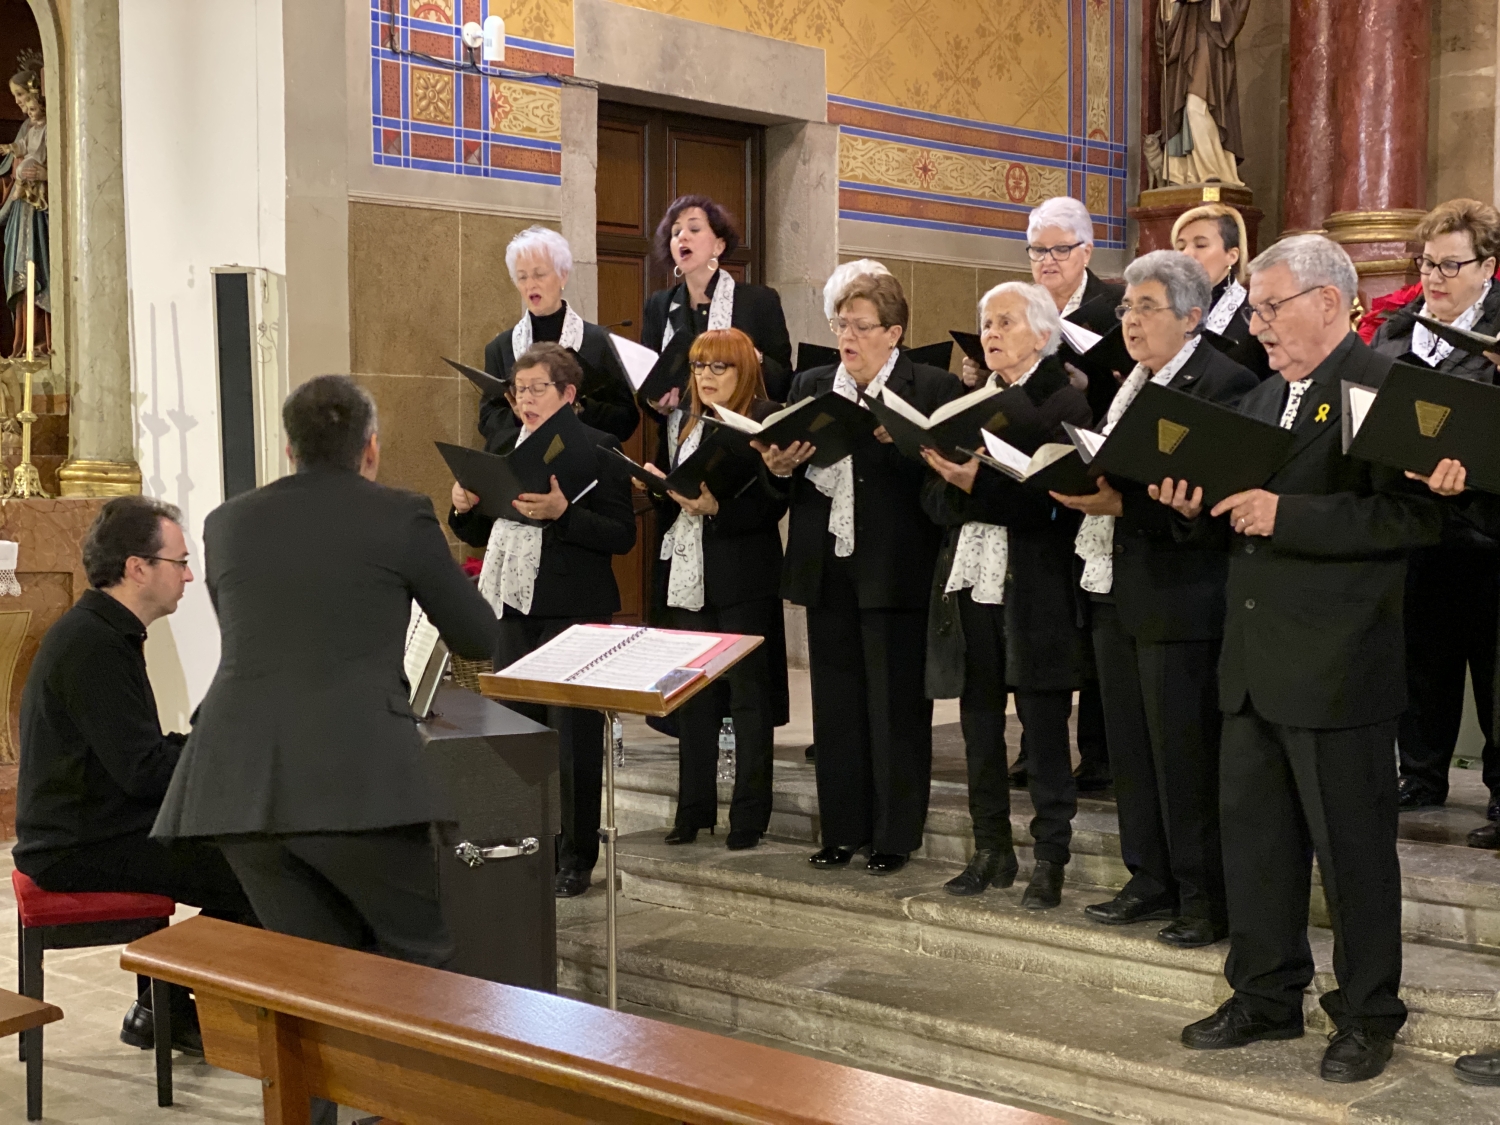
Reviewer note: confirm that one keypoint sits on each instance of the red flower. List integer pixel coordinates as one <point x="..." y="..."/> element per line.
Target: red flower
<point x="1382" y="307"/>
<point x="472" y="567"/>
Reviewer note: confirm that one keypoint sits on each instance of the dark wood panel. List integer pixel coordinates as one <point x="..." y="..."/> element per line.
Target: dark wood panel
<point x="621" y="180"/>
<point x="717" y="167"/>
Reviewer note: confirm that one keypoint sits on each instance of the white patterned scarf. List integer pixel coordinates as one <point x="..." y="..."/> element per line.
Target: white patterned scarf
<point x="512" y="558"/>
<point x="1294" y="394"/>
<point x="1075" y="302"/>
<point x="982" y="555"/>
<point x="720" y="309"/>
<point x="1225" y="307"/>
<point x="572" y="332"/>
<point x="1095" y="542"/>
<point x="1433" y="349"/>
<point x="683" y="542"/>
<point x="836" y="481"/>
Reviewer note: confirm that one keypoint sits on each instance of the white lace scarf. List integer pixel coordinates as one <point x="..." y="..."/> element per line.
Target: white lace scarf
<point x="836" y="481"/>
<point x="1075" y="302"/>
<point x="720" y="309"/>
<point x="1433" y="349"/>
<point x="1095" y="542"/>
<point x="683" y="542"/>
<point x="572" y="332"/>
<point x="982" y="555"/>
<point x="512" y="558"/>
<point x="1225" y="308"/>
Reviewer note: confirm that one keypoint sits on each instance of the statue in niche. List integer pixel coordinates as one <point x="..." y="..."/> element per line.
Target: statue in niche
<point x="23" y="215"/>
<point x="1200" y="105"/>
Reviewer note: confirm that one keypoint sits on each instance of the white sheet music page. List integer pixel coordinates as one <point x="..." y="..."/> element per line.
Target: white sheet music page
<point x="421" y="639"/>
<point x="568" y="652"/>
<point x="640" y="664"/>
<point x="637" y="359"/>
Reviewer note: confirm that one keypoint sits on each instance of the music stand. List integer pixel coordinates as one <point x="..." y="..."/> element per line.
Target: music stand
<point x="613" y="701"/>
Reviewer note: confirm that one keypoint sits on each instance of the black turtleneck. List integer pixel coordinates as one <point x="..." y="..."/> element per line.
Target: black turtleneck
<point x="1219" y="290"/>
<point x="548" y="329"/>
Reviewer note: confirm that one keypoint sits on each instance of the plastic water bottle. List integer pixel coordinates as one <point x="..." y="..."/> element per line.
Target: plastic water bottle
<point x="726" y="750"/>
<point x="617" y="739"/>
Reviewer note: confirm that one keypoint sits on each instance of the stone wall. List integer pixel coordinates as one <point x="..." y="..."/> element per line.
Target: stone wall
<point x="1461" y="101"/>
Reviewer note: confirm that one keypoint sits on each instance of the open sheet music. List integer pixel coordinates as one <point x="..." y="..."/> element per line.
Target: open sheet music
<point x="617" y="656"/>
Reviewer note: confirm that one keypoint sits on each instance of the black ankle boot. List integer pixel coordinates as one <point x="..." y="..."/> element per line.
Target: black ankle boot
<point x="1045" y="889"/>
<point x="681" y="834"/>
<point x="990" y="867"/>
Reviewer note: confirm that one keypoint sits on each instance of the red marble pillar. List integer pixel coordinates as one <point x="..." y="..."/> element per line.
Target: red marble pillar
<point x="1312" y="144"/>
<point x="1380" y="102"/>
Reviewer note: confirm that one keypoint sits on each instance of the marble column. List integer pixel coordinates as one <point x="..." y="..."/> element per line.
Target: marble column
<point x="101" y="459"/>
<point x="1380" y="102"/>
<point x="1312" y="143"/>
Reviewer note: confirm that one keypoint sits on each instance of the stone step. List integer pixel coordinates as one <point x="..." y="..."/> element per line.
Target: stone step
<point x="1453" y="994"/>
<point x="1450" y="893"/>
<point x="1057" y="1042"/>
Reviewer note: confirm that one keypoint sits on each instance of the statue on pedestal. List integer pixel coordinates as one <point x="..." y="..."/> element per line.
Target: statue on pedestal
<point x="1200" y="104"/>
<point x="23" y="215"/>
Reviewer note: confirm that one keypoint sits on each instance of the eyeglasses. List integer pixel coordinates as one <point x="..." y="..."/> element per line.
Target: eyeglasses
<point x="717" y="367"/>
<point x="858" y="327"/>
<point x="1123" y="310"/>
<point x="183" y="563"/>
<point x="1447" y="268"/>
<point x="1267" y="312"/>
<point x="534" y="390"/>
<point x="1056" y="253"/>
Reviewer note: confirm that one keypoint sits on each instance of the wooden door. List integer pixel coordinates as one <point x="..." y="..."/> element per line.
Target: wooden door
<point x="647" y="158"/>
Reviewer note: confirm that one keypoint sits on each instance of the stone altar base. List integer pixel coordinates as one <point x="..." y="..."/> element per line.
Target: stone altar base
<point x="1159" y="207"/>
<point x="1052" y="1008"/>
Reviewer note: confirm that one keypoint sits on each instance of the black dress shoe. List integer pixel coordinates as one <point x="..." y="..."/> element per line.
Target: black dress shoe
<point x="139" y="1030"/>
<point x="1191" y="933"/>
<point x="1045" y="889"/>
<point x="681" y="834"/>
<point x="1480" y="1070"/>
<point x="885" y="863"/>
<point x="1125" y="908"/>
<point x="832" y="857"/>
<point x="1090" y="778"/>
<point x="1235" y="1025"/>
<point x="811" y="753"/>
<point x="571" y="884"/>
<point x="741" y="838"/>
<point x="1492" y="811"/>
<point x="1411" y="795"/>
<point x="1485" y="836"/>
<point x="990" y="867"/>
<point x="1355" y="1055"/>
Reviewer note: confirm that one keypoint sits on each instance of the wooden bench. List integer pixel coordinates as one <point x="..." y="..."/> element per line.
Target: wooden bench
<point x="20" y="1014"/>
<point x="425" y="1047"/>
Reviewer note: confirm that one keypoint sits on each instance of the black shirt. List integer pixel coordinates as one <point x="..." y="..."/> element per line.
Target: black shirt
<point x="548" y="329"/>
<point x="94" y="762"/>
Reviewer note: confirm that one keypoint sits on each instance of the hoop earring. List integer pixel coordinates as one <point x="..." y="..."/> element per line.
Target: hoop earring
<point x="676" y="271"/>
<point x="713" y="264"/>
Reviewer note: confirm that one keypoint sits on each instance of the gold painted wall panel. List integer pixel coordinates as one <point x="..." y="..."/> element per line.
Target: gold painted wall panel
<point x="524" y="109"/>
<point x="891" y="164"/>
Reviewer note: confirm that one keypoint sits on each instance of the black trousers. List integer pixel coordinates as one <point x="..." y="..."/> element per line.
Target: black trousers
<point x="1451" y="614"/>
<point x="1161" y="702"/>
<point x="872" y="721"/>
<point x="1044" y="724"/>
<point x="1093" y="727"/>
<point x="751" y="707"/>
<point x="1287" y="793"/>
<point x="580" y="742"/>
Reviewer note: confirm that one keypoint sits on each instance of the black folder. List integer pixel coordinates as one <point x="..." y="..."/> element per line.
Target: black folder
<point x="1167" y="433"/>
<point x="1102" y="360"/>
<point x="938" y="355"/>
<point x="815" y="355"/>
<point x="971" y="346"/>
<point x="1054" y="468"/>
<point x="984" y="411"/>
<point x="489" y="386"/>
<point x="1475" y="343"/>
<point x="716" y="462"/>
<point x="1421" y="416"/>
<point x="670" y="370"/>
<point x="559" y="448"/>
<point x="833" y="424"/>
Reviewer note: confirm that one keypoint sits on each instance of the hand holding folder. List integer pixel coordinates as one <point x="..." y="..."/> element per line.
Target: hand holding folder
<point x="830" y="422"/>
<point x="715" y="463"/>
<point x="950" y="426"/>
<point x="558" y="448"/>
<point x="1419" y="417"/>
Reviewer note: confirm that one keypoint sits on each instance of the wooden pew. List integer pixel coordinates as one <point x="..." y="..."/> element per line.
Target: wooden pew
<point x="424" y="1047"/>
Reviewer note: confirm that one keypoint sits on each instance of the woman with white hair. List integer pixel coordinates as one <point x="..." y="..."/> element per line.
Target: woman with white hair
<point x="1157" y="615"/>
<point x="1005" y="613"/>
<point x="539" y="261"/>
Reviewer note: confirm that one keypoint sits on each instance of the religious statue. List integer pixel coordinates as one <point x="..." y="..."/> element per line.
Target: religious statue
<point x="23" y="215"/>
<point x="1200" y="98"/>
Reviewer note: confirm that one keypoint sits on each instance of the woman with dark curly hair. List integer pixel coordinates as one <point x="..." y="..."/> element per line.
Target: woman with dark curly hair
<point x="692" y="237"/>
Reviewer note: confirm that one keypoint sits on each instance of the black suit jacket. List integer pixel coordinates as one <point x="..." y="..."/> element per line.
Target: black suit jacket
<point x="607" y="398"/>
<point x="1046" y="644"/>
<point x="757" y="313"/>
<point x="1313" y="628"/>
<point x="895" y="544"/>
<point x="1097" y="314"/>
<point x="1393" y="338"/>
<point x="576" y="577"/>
<point x="306" y="727"/>
<point x="741" y="544"/>
<point x="1164" y="589"/>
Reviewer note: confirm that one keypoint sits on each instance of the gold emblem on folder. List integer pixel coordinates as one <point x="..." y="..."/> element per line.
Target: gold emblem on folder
<point x="1431" y="417"/>
<point x="554" y="451"/>
<point x="998" y="421"/>
<point x="1169" y="435"/>
<point x="819" y="422"/>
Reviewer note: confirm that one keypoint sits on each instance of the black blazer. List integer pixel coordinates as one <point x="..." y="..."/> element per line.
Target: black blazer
<point x="895" y="544"/>
<point x="1313" y="627"/>
<point x="757" y="313"/>
<point x="1097" y="312"/>
<point x="1167" y="590"/>
<point x="1393" y="338"/>
<point x="606" y="397"/>
<point x="306" y="727"/>
<point x="1046" y="642"/>
<point x="576" y="577"/>
<point x="741" y="544"/>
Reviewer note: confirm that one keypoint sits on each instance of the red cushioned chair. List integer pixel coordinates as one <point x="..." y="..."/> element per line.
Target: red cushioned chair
<point x="75" y="921"/>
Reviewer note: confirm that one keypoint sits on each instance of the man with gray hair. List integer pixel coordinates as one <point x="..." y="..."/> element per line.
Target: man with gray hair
<point x="1311" y="680"/>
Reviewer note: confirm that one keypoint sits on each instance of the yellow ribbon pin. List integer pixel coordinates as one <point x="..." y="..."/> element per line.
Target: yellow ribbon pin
<point x="1322" y="414"/>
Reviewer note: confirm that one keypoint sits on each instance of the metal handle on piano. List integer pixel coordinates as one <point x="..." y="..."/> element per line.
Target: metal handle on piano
<point x="475" y="856"/>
